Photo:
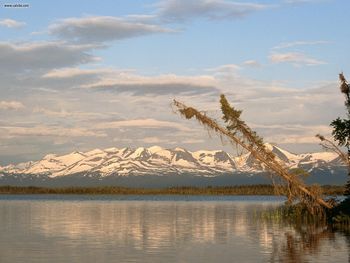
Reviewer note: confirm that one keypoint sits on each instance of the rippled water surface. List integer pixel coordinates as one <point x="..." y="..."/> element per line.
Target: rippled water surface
<point x="64" y="228"/>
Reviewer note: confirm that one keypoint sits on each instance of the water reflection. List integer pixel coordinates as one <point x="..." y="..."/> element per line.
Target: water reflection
<point x="157" y="231"/>
<point x="311" y="243"/>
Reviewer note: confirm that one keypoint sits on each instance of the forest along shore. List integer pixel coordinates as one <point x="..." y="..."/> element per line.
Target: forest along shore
<point x="329" y="190"/>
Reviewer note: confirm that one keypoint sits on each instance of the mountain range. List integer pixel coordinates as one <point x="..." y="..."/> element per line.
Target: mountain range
<point x="157" y="166"/>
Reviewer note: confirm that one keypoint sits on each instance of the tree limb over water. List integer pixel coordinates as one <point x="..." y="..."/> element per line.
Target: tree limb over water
<point x="240" y="135"/>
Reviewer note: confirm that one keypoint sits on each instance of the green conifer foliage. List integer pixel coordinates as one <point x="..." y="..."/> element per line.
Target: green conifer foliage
<point x="341" y="127"/>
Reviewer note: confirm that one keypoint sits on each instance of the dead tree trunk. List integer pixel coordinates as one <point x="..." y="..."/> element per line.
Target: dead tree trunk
<point x="246" y="141"/>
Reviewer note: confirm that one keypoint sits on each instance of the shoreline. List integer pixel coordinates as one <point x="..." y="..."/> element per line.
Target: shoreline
<point x="179" y="190"/>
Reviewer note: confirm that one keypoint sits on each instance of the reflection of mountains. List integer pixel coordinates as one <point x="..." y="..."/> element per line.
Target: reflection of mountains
<point x="145" y="224"/>
<point x="164" y="232"/>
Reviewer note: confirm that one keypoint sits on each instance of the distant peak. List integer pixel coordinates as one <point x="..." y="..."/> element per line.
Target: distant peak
<point x="270" y="146"/>
<point x="76" y="152"/>
<point x="125" y="149"/>
<point x="140" y="150"/>
<point x="155" y="149"/>
<point x="111" y="150"/>
<point x="95" y="151"/>
<point x="180" y="149"/>
<point x="49" y="156"/>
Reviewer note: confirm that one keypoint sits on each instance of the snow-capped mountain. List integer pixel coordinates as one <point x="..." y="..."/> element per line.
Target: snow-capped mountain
<point x="160" y="161"/>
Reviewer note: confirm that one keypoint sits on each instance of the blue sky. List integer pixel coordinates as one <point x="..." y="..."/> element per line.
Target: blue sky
<point x="78" y="75"/>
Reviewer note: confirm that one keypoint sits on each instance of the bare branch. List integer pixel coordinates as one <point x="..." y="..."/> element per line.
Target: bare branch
<point x="331" y="146"/>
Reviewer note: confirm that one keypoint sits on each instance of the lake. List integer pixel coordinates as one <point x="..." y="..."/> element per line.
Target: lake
<point x="77" y="228"/>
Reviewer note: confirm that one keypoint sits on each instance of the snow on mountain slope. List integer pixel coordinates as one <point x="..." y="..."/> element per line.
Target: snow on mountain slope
<point x="249" y="164"/>
<point x="160" y="161"/>
<point x="281" y="154"/>
<point x="218" y="160"/>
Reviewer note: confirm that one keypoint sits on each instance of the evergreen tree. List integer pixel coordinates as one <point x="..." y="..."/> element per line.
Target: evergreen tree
<point x="341" y="127"/>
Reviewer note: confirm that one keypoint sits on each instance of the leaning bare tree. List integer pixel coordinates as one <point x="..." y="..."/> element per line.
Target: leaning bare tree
<point x="242" y="136"/>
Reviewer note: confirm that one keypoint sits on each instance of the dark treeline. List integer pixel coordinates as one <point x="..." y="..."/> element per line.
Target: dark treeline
<point x="116" y="190"/>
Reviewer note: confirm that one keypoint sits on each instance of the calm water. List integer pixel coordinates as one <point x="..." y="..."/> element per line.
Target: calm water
<point x="63" y="228"/>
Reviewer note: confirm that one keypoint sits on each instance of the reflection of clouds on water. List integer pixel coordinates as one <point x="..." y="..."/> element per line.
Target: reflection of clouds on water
<point x="156" y="231"/>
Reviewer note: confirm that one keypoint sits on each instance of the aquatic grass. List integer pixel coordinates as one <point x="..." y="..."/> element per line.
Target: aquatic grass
<point x="298" y="215"/>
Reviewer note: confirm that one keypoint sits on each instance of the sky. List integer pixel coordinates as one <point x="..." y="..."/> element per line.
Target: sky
<point x="80" y="75"/>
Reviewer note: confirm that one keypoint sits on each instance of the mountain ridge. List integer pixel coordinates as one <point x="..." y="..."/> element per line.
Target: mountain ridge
<point x="157" y="160"/>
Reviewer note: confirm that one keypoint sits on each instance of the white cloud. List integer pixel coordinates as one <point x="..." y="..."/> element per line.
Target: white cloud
<point x="10" y="23"/>
<point x="292" y="133"/>
<point x="193" y="141"/>
<point x="128" y="81"/>
<point x="153" y="140"/>
<point x="97" y="29"/>
<point x="300" y="43"/>
<point x="11" y="105"/>
<point x="62" y="113"/>
<point x="252" y="63"/>
<point x="296" y="58"/>
<point x="182" y="11"/>
<point x="76" y="72"/>
<point x="57" y="131"/>
<point x="227" y="68"/>
<point x="141" y="123"/>
<point x="114" y="77"/>
<point x="293" y="2"/>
